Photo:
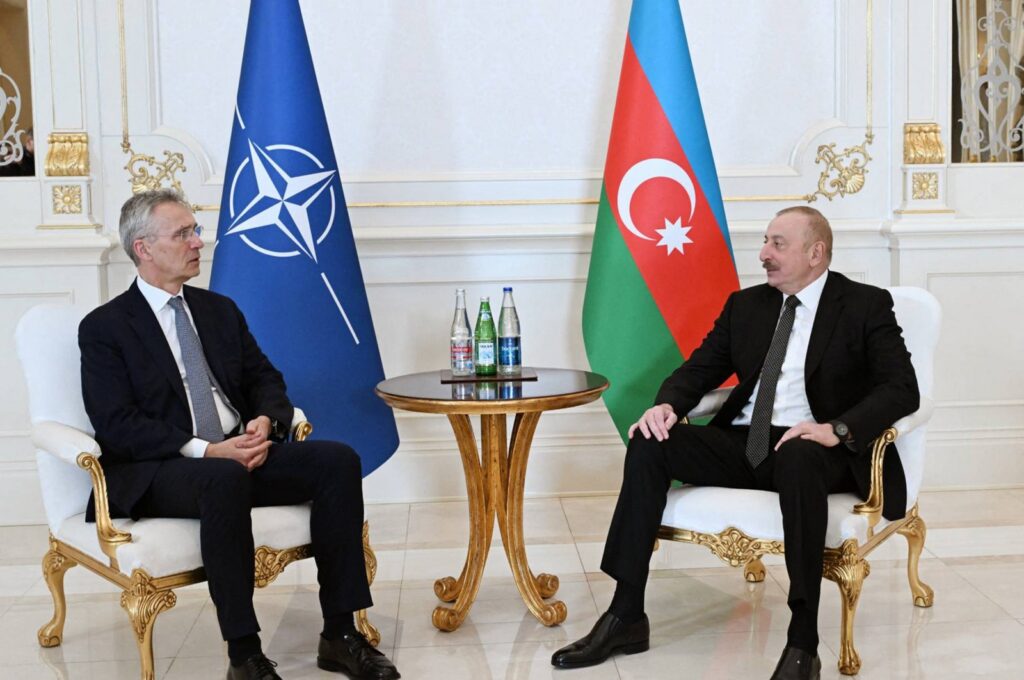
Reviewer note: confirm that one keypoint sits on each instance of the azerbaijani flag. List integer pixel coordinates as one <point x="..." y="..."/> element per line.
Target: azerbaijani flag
<point x="661" y="266"/>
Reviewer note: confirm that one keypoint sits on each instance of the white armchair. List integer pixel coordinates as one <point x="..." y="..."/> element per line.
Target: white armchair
<point x="739" y="526"/>
<point x="147" y="558"/>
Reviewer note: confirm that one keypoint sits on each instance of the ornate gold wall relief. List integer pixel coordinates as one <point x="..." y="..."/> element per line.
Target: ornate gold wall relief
<point x="67" y="154"/>
<point x="922" y="144"/>
<point x="925" y="185"/>
<point x="67" y="199"/>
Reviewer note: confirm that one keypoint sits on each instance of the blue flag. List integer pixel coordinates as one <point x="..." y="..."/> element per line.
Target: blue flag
<point x="285" y="251"/>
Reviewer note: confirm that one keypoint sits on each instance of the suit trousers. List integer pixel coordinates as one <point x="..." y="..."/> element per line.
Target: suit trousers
<point x="802" y="472"/>
<point x="221" y="493"/>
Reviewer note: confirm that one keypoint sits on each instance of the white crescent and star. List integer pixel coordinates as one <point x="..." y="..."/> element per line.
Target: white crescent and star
<point x="674" y="234"/>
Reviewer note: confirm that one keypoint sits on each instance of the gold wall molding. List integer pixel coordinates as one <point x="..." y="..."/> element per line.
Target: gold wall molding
<point x="67" y="199"/>
<point x="922" y="144"/>
<point x="925" y="185"/>
<point x="67" y="154"/>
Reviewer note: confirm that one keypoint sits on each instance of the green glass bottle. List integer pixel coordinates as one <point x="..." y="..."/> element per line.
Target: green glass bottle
<point x="484" y="340"/>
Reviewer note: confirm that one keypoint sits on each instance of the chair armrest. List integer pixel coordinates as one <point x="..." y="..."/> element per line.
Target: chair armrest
<point x="301" y="428"/>
<point x="63" y="441"/>
<point x="711" y="403"/>
<point x="872" y="507"/>
<point x="922" y="415"/>
<point x="77" y="448"/>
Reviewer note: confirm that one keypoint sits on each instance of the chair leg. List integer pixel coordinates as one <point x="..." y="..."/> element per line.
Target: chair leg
<point x="915" y="531"/>
<point x="753" y="571"/>
<point x="362" y="619"/>
<point x="848" y="569"/>
<point x="144" y="602"/>
<point x="55" y="565"/>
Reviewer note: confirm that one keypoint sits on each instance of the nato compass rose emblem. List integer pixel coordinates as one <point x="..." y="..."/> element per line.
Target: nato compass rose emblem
<point x="674" y="236"/>
<point x="287" y="204"/>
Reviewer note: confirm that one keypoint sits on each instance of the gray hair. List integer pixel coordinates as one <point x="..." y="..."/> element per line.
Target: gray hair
<point x="136" y="214"/>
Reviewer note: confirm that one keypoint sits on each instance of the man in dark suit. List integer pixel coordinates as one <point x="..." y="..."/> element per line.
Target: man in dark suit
<point x="823" y="370"/>
<point x="192" y="420"/>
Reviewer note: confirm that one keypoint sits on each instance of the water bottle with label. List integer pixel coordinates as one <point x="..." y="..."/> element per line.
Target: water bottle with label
<point x="462" y="338"/>
<point x="484" y="340"/>
<point x="510" y="354"/>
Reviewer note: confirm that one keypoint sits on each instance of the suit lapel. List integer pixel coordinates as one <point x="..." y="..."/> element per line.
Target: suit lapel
<point x="145" y="325"/>
<point x="829" y="309"/>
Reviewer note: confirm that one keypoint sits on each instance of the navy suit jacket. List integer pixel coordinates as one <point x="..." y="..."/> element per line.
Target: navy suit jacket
<point x="133" y="390"/>
<point x="857" y="369"/>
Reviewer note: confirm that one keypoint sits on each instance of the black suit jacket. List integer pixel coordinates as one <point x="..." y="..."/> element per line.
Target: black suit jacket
<point x="133" y="390"/>
<point x="857" y="369"/>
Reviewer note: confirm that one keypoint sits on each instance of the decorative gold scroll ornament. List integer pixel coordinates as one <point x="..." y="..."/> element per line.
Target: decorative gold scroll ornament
<point x="145" y="173"/>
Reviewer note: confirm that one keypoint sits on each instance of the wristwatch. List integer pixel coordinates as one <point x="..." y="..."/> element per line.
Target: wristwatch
<point x="277" y="430"/>
<point x="841" y="431"/>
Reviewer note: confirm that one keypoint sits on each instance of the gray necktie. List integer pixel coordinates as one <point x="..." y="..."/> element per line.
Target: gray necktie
<point x="204" y="409"/>
<point x="764" y="405"/>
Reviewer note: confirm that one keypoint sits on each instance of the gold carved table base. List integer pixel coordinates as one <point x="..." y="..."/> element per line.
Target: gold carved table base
<point x="494" y="484"/>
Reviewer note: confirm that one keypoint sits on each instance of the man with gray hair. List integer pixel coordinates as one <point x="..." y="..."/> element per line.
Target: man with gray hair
<point x="192" y="419"/>
<point x="822" y="371"/>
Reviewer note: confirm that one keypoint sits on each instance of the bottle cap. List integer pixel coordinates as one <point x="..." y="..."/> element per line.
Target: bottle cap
<point x="485" y="298"/>
<point x="508" y="289"/>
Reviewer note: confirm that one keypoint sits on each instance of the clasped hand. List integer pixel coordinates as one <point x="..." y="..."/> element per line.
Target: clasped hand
<point x="249" y="448"/>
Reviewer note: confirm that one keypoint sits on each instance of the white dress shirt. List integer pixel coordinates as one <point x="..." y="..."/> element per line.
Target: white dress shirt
<point x="791" y="406"/>
<point x="158" y="300"/>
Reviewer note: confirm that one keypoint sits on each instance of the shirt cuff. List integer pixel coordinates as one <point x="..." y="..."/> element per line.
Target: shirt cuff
<point x="194" y="448"/>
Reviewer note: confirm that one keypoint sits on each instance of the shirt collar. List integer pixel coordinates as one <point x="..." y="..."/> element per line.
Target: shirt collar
<point x="810" y="295"/>
<point x="157" y="298"/>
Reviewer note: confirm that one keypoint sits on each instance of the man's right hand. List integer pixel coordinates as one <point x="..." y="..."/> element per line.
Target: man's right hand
<point x="657" y="420"/>
<point x="248" y="449"/>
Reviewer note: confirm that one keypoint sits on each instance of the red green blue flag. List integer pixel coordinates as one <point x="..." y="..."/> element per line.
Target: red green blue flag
<point x="661" y="265"/>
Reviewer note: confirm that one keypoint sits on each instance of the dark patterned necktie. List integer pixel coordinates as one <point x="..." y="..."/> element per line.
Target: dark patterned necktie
<point x="764" y="405"/>
<point x="204" y="409"/>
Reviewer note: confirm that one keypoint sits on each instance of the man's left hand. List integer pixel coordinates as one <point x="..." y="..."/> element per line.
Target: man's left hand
<point x="258" y="427"/>
<point x="820" y="433"/>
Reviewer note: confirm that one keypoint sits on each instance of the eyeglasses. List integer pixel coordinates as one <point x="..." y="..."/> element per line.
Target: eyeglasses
<point x="185" y="234"/>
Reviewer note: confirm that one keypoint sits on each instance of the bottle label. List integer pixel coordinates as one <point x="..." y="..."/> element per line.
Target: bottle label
<point x="484" y="353"/>
<point x="462" y="356"/>
<point x="510" y="352"/>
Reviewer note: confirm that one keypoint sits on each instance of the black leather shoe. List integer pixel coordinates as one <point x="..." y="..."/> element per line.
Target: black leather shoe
<point x="796" y="664"/>
<point x="608" y="636"/>
<point x="256" y="667"/>
<point x="354" y="656"/>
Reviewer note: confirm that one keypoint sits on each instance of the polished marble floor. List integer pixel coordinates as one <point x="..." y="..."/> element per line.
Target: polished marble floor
<point x="706" y="621"/>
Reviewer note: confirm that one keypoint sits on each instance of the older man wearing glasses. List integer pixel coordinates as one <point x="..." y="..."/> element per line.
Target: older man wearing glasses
<point x="192" y="417"/>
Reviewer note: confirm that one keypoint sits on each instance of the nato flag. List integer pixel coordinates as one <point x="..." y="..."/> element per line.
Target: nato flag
<point x="285" y="251"/>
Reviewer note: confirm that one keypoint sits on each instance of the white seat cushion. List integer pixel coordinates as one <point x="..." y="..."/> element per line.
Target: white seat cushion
<point x="165" y="546"/>
<point x="711" y="510"/>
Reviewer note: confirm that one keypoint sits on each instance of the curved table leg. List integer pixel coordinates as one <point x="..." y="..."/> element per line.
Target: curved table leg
<point x="481" y="524"/>
<point x="510" y="515"/>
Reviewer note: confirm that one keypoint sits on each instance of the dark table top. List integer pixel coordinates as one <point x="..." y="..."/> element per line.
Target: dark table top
<point x="554" y="388"/>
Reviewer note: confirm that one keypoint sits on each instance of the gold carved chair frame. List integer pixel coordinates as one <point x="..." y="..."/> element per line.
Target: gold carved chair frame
<point x="845" y="565"/>
<point x="144" y="597"/>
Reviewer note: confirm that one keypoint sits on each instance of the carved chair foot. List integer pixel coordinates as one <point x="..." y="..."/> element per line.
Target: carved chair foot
<point x="368" y="630"/>
<point x="55" y="565"/>
<point x="848" y="570"/>
<point x="753" y="571"/>
<point x="143" y="602"/>
<point x="915" y="531"/>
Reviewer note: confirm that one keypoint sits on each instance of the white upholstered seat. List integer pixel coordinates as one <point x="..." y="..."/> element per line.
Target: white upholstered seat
<point x="741" y="525"/>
